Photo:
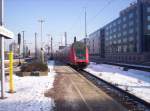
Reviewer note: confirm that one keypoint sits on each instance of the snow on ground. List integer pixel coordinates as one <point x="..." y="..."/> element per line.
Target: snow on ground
<point x="29" y="94"/>
<point x="137" y="82"/>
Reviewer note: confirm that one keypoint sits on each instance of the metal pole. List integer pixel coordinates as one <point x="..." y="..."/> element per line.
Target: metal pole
<point x="2" y="52"/>
<point x="51" y="48"/>
<point x="65" y="38"/>
<point x="42" y="52"/>
<point x="85" y="27"/>
<point x="41" y="21"/>
<point x="23" y="44"/>
<point x="35" y="45"/>
<point x="19" y="56"/>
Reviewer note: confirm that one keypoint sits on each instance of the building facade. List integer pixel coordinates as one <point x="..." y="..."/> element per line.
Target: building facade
<point x="125" y="39"/>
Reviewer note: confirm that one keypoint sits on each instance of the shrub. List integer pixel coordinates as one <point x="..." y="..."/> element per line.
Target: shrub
<point x="34" y="66"/>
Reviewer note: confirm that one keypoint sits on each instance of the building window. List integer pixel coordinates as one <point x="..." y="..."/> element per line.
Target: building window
<point x="115" y="36"/>
<point x="106" y="33"/>
<point x="131" y="38"/>
<point x="119" y="34"/>
<point x="124" y="33"/>
<point x="114" y="24"/>
<point x="119" y="41"/>
<point x="125" y="48"/>
<point x="124" y="26"/>
<point x="111" y="31"/>
<point x="110" y="37"/>
<point x="131" y="31"/>
<point x="119" y="28"/>
<point x="119" y="21"/>
<point x="131" y="15"/>
<point x="148" y="18"/>
<point x="124" y="19"/>
<point x="110" y="43"/>
<point x="110" y="26"/>
<point x="114" y="30"/>
<point x="148" y="27"/>
<point x="125" y="40"/>
<point x="114" y="42"/>
<point x="131" y="48"/>
<point x="107" y="28"/>
<point x="93" y="43"/>
<point x="131" y="23"/>
<point x="148" y="9"/>
<point x="119" y="48"/>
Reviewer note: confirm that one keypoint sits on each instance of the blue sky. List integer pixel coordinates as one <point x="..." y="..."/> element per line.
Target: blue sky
<point x="59" y="16"/>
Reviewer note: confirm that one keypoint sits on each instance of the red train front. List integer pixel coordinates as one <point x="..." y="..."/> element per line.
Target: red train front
<point x="79" y="54"/>
<point x="76" y="54"/>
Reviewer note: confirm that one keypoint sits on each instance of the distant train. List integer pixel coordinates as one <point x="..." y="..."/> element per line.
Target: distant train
<point x="76" y="54"/>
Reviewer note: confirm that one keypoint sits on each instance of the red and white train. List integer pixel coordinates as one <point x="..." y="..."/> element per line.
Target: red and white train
<point x="76" y="54"/>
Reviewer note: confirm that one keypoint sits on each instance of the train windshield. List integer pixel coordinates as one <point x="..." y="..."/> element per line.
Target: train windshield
<point x="80" y="50"/>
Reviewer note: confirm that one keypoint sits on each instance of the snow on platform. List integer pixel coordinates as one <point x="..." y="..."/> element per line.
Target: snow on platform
<point x="137" y="82"/>
<point x="29" y="94"/>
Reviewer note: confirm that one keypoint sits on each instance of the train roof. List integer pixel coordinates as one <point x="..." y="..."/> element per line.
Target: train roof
<point x="77" y="44"/>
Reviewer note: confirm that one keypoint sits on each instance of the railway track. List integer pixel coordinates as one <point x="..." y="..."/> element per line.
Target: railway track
<point x="126" y="66"/>
<point x="130" y="101"/>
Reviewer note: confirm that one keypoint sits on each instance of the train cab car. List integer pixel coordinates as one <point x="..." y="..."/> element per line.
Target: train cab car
<point x="79" y="56"/>
<point x="76" y="54"/>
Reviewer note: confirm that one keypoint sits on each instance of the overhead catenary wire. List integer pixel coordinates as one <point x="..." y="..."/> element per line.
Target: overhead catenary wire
<point x="91" y="20"/>
<point x="101" y="10"/>
<point x="78" y="17"/>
